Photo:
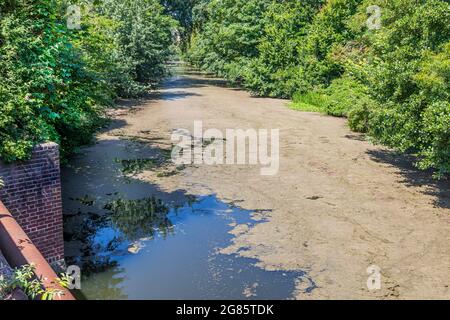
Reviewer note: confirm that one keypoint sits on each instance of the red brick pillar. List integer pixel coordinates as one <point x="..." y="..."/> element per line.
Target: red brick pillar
<point x="32" y="193"/>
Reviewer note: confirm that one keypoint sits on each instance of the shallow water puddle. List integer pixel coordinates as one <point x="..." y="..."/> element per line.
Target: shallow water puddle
<point x="145" y="250"/>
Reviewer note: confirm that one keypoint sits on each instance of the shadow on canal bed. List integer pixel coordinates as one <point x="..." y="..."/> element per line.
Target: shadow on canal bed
<point x="133" y="240"/>
<point x="414" y="177"/>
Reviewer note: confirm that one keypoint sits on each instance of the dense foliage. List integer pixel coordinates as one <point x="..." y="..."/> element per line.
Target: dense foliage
<point x="24" y="278"/>
<point x="229" y="38"/>
<point x="182" y="11"/>
<point x="56" y="80"/>
<point x="391" y="81"/>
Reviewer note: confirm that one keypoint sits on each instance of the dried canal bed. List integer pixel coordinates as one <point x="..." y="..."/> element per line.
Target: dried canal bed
<point x="134" y="241"/>
<point x="338" y="204"/>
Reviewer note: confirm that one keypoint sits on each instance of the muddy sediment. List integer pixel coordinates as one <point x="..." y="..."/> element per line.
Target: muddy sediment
<point x="338" y="205"/>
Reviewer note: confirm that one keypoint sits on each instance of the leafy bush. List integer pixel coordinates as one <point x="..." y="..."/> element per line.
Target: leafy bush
<point x="405" y="66"/>
<point x="391" y="83"/>
<point x="144" y="36"/>
<point x="328" y="30"/>
<point x="229" y="38"/>
<point x="274" y="71"/>
<point x="24" y="278"/>
<point x="56" y="82"/>
<point x="434" y="83"/>
<point x="183" y="11"/>
<point x="45" y="90"/>
<point x="345" y="97"/>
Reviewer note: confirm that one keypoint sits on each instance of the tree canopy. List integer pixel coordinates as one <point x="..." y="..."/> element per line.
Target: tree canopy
<point x="55" y="81"/>
<point x="391" y="81"/>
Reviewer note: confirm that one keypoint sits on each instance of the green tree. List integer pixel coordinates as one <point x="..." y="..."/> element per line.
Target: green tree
<point x="407" y="71"/>
<point x="229" y="38"/>
<point x="45" y="91"/>
<point x="144" y="37"/>
<point x="274" y="71"/>
<point x="182" y="11"/>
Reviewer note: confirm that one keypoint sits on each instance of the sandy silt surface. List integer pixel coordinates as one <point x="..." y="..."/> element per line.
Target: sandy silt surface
<point x="338" y="204"/>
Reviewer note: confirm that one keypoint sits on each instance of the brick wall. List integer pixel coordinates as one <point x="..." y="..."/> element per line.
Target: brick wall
<point x="32" y="193"/>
